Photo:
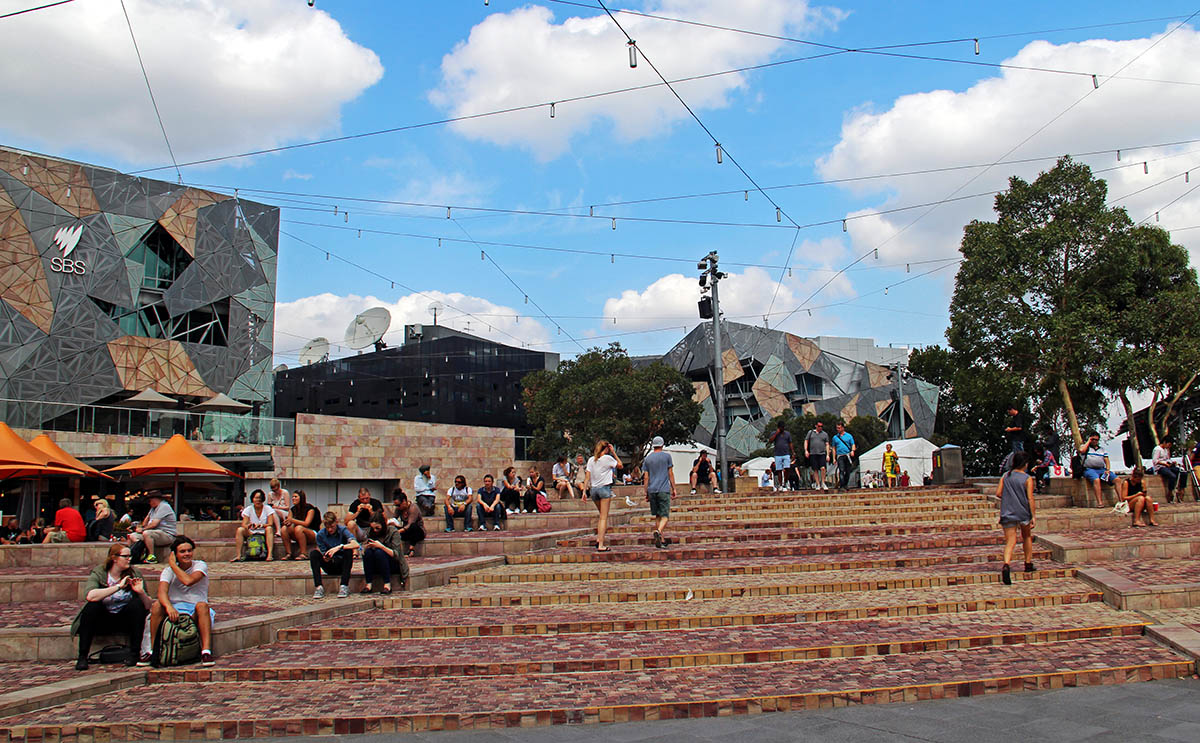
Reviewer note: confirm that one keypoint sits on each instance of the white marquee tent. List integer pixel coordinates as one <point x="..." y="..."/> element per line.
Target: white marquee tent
<point x="916" y="456"/>
<point x="682" y="456"/>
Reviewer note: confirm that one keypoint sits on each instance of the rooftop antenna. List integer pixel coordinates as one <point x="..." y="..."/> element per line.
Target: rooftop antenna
<point x="315" y="351"/>
<point x="368" y="327"/>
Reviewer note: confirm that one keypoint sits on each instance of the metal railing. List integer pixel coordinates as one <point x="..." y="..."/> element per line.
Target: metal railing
<point x="156" y="423"/>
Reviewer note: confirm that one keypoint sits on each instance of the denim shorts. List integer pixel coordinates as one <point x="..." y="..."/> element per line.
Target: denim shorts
<point x="1091" y="474"/>
<point x="186" y="607"/>
<point x="783" y="461"/>
<point x="601" y="492"/>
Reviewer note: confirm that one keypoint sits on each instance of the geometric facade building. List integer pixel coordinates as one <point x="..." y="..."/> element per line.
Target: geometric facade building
<point x="769" y="371"/>
<point x="111" y="284"/>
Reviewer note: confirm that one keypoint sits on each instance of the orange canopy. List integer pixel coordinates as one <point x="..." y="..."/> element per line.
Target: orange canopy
<point x="174" y="457"/>
<point x="60" y="456"/>
<point x="15" y="450"/>
<point x="9" y="471"/>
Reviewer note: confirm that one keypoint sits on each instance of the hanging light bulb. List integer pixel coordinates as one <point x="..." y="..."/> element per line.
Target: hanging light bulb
<point x="789" y="272"/>
<point x="614" y="223"/>
<point x="1118" y="156"/>
<point x="552" y="109"/>
<point x="447" y="212"/>
<point x="719" y="160"/>
<point x="844" y="225"/>
<point x="326" y="255"/>
<point x="1146" y="168"/>
<point x="1155" y="216"/>
<point x="976" y="47"/>
<point x="360" y="234"/>
<point x="876" y="253"/>
<point x="393" y="284"/>
<point x="1095" y="82"/>
<point x="614" y="321"/>
<point x="778" y="215"/>
<point x="482" y="256"/>
<point x="486" y="3"/>
<point x="885" y="290"/>
<point x="346" y="217"/>
<point x="612" y="258"/>
<point x="632" y="53"/>
<point x="747" y="195"/>
<point x="1187" y="177"/>
<point x="526" y="299"/>
<point x="591" y="211"/>
<point x="907" y="268"/>
<point x="810" y="313"/>
<point x="335" y="210"/>
<point x="439" y="242"/>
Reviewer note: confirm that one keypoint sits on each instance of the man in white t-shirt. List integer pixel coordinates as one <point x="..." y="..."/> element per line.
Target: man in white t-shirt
<point x="183" y="589"/>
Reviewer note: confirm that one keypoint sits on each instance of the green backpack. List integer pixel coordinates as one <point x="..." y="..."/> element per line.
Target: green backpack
<point x="256" y="547"/>
<point x="177" y="643"/>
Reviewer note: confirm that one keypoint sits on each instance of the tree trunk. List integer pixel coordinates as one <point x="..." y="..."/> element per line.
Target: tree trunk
<point x="1171" y="405"/>
<point x="1133" y="437"/>
<point x="1069" y="407"/>
<point x="1150" y="418"/>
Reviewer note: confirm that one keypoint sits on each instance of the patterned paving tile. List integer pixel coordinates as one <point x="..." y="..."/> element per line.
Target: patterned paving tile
<point x="1108" y="536"/>
<point x="1156" y="572"/>
<point x="643" y="615"/>
<point x="246" y="709"/>
<point x="665" y="648"/>
<point x="1189" y="616"/>
<point x="41" y="614"/>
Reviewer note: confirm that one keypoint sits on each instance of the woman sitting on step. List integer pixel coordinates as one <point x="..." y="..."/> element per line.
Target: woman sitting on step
<point x="1132" y="490"/>
<point x="258" y="519"/>
<point x="117" y="604"/>
<point x="383" y="555"/>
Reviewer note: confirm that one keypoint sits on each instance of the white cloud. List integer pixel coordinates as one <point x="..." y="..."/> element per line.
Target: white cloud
<point x="228" y="76"/>
<point x="979" y="125"/>
<point x="328" y="315"/>
<point x="292" y="175"/>
<point x="745" y="297"/>
<point x="524" y="57"/>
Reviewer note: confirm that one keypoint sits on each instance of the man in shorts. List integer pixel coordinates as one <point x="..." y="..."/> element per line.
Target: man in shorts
<point x="660" y="487"/>
<point x="704" y="474"/>
<point x="183" y="589"/>
<point x="816" y="453"/>
<point x="784" y="452"/>
<point x="156" y="530"/>
<point x="1096" y="467"/>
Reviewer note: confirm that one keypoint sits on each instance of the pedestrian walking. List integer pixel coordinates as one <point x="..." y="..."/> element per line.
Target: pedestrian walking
<point x="600" y="468"/>
<point x="785" y="451"/>
<point x="1017" y="509"/>
<point x="816" y="451"/>
<point x="660" y="488"/>
<point x="845" y="450"/>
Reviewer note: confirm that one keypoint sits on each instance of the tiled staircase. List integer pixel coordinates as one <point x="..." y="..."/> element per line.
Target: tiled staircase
<point x="764" y="601"/>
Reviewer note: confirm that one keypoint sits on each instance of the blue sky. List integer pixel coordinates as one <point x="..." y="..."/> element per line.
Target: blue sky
<point x="230" y="79"/>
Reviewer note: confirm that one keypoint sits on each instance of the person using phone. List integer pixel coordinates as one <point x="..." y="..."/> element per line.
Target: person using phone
<point x="383" y="555"/>
<point x="117" y="604"/>
<point x="600" y="468"/>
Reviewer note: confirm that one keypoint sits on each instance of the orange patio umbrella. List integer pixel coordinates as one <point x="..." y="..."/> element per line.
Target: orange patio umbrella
<point x="15" y="450"/>
<point x="175" y="457"/>
<point x="58" y="454"/>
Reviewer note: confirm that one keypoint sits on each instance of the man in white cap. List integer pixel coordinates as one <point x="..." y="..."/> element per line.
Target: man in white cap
<point x="660" y="487"/>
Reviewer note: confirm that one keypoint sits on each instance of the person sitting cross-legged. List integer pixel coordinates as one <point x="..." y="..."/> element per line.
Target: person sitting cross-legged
<point x="157" y="529"/>
<point x="459" y="500"/>
<point x="360" y="512"/>
<point x="257" y="519"/>
<point x="535" y="485"/>
<point x="383" y="555"/>
<point x="117" y="603"/>
<point x="562" y="478"/>
<point x="183" y="589"/>
<point x="489" y="504"/>
<point x="334" y="554"/>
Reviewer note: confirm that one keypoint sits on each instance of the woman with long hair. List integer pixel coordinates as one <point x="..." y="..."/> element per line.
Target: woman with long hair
<point x="1132" y="490"/>
<point x="117" y="604"/>
<point x="600" y="469"/>
<point x="301" y="527"/>
<point x="257" y="518"/>
<point x="510" y="490"/>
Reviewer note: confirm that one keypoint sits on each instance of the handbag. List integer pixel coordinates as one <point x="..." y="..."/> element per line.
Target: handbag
<point x="110" y="654"/>
<point x="1121" y="509"/>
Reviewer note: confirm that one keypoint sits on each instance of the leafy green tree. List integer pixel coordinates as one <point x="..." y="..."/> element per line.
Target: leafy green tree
<point x="600" y="395"/>
<point x="1158" y="341"/>
<point x="868" y="432"/>
<point x="1032" y="298"/>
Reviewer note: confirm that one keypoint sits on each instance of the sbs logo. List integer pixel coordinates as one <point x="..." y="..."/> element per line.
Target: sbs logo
<point x="67" y="239"/>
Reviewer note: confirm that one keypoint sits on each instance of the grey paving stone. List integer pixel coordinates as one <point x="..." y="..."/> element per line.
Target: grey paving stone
<point x="1185" y="731"/>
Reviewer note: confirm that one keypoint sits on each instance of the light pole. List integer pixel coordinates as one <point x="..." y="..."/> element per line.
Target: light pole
<point x="710" y="306"/>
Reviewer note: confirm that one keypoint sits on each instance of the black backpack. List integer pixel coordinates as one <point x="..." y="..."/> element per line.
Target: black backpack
<point x="177" y="643"/>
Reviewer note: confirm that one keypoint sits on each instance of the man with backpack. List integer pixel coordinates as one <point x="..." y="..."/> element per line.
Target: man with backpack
<point x="183" y="590"/>
<point x="844" y="449"/>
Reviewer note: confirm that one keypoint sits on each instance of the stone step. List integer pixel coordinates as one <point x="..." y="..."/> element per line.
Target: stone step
<point x="1144" y="585"/>
<point x="1083" y="519"/>
<point x="233" y="580"/>
<point x="184" y="711"/>
<point x="720" y="511"/>
<point x="815" y="499"/>
<point x="949" y="519"/>
<point x="914" y="526"/>
<point x="360" y="660"/>
<point x="712" y="587"/>
<point x="644" y="535"/>
<point x="29" y="685"/>
<point x="760" y="548"/>
<point x="548" y="572"/>
<point x="683" y="614"/>
<point x="1180" y="541"/>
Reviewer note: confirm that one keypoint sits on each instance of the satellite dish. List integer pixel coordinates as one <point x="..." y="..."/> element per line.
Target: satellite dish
<point x="435" y="308"/>
<point x="315" y="351"/>
<point x="281" y="368"/>
<point x="368" y="328"/>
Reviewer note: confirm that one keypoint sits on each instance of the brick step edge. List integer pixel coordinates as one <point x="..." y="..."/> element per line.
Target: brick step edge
<point x="618" y="571"/>
<point x="681" y="594"/>
<point x="635" y="662"/>
<point x="905" y="693"/>
<point x="317" y="634"/>
<point x="28" y="699"/>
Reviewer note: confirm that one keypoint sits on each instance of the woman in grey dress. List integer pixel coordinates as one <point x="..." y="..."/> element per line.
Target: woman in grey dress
<point x="1017" y="509"/>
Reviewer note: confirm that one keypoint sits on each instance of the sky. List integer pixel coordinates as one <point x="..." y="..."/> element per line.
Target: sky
<point x="442" y="175"/>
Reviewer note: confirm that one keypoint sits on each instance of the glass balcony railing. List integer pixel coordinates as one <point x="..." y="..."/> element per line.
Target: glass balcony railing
<point x="157" y="423"/>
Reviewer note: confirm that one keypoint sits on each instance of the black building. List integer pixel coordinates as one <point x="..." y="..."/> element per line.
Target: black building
<point x="439" y="375"/>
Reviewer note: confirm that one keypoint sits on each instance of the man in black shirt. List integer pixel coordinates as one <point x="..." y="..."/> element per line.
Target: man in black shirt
<point x="704" y="474"/>
<point x="358" y="516"/>
<point x="1015" y="431"/>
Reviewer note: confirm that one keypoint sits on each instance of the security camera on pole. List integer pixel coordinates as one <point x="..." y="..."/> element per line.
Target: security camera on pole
<point x="710" y="306"/>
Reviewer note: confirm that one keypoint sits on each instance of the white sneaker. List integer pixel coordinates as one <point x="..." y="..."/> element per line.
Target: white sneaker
<point x="344" y="592"/>
<point x="693" y="491"/>
<point x="319" y="593"/>
<point x="495" y="527"/>
<point x="824" y="486"/>
<point x="717" y="491"/>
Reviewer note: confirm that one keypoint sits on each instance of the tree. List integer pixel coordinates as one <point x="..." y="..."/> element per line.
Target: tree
<point x="1032" y="297"/>
<point x="600" y="395"/>
<point x="1158" y="342"/>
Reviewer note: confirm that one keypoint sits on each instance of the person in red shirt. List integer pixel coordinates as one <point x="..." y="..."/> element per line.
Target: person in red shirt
<point x="68" y="524"/>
